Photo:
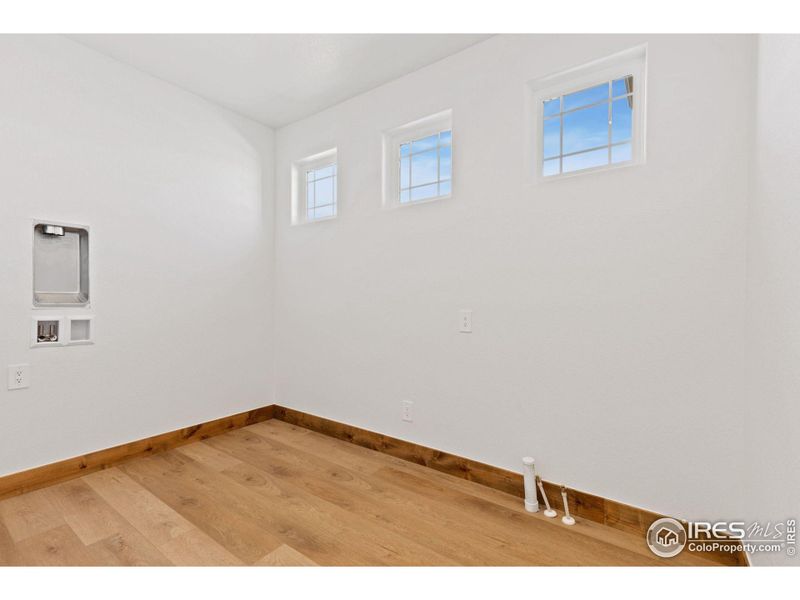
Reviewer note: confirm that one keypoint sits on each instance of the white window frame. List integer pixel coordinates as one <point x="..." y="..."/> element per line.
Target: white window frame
<point x="394" y="138"/>
<point x="299" y="185"/>
<point x="630" y="62"/>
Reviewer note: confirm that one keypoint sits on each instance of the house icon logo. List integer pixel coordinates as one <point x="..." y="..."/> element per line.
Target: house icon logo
<point x="666" y="537"/>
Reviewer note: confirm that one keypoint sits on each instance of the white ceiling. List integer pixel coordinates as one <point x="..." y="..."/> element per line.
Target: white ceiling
<point x="278" y="78"/>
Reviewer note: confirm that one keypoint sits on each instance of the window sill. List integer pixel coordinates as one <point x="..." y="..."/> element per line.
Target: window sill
<point x="313" y="221"/>
<point x="601" y="169"/>
<point x="398" y="204"/>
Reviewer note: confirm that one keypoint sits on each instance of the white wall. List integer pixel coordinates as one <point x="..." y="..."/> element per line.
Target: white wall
<point x="177" y="193"/>
<point x="773" y="323"/>
<point x="608" y="308"/>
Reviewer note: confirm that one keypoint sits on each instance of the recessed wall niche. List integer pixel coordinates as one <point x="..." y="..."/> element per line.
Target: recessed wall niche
<point x="60" y="264"/>
<point x="80" y="330"/>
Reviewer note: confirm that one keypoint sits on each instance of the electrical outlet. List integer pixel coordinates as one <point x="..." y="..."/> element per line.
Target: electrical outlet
<point x="465" y="321"/>
<point x="18" y="377"/>
<point x="407" y="405"/>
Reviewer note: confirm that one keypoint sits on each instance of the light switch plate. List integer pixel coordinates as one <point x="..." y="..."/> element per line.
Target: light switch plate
<point x="18" y="376"/>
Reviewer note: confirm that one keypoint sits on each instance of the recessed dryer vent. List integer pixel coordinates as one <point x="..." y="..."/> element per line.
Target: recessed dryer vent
<point x="60" y="265"/>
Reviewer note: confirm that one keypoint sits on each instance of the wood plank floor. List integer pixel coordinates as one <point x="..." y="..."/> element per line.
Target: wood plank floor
<point x="276" y="494"/>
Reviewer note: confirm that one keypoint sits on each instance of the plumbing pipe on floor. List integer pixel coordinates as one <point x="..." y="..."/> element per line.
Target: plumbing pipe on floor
<point x="548" y="512"/>
<point x="529" y="480"/>
<point x="567" y="519"/>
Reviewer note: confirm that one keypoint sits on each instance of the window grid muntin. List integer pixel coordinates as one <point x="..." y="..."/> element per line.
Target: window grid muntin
<point x="439" y="180"/>
<point x="560" y="115"/>
<point x="311" y="180"/>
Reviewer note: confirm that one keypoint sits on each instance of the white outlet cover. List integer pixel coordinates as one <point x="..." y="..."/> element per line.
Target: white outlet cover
<point x="407" y="406"/>
<point x="465" y="320"/>
<point x="18" y="376"/>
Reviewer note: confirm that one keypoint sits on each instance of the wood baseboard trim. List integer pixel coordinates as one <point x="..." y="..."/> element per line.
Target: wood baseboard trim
<point x="39" y="477"/>
<point x="583" y="505"/>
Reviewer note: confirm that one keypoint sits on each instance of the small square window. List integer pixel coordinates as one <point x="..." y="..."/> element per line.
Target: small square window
<point x="419" y="161"/>
<point x="588" y="128"/>
<point x="590" y="117"/>
<point x="315" y="188"/>
<point x="425" y="167"/>
<point x="321" y="193"/>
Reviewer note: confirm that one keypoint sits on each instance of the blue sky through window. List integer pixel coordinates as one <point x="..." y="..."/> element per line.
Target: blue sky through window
<point x="321" y="192"/>
<point x="426" y="167"/>
<point x="588" y="128"/>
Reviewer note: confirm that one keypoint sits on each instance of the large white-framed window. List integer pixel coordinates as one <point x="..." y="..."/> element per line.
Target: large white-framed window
<point x="589" y="118"/>
<point x="315" y="188"/>
<point x="418" y="161"/>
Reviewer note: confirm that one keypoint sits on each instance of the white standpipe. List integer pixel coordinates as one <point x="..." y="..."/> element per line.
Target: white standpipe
<point x="548" y="512"/>
<point x="529" y="479"/>
<point x="567" y="519"/>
